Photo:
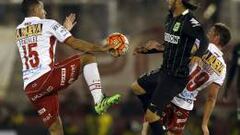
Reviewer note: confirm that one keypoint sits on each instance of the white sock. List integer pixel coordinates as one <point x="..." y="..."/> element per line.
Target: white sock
<point x="92" y="77"/>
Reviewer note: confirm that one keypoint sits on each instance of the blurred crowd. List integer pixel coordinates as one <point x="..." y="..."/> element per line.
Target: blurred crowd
<point x="125" y="119"/>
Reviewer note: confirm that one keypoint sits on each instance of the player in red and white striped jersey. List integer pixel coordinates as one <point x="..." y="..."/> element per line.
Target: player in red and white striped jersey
<point x="211" y="75"/>
<point x="36" y="38"/>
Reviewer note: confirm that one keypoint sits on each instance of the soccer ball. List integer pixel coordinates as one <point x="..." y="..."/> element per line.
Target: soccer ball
<point x="119" y="44"/>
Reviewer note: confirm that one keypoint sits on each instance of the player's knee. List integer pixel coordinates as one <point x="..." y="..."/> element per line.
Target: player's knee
<point x="137" y="89"/>
<point x="151" y="116"/>
<point x="88" y="58"/>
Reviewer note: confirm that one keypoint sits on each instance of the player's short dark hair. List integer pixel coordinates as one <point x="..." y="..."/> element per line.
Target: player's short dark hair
<point x="190" y="4"/>
<point x="224" y="33"/>
<point x="27" y="6"/>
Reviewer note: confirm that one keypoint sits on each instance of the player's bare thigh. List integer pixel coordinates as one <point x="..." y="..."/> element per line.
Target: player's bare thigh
<point x="137" y="89"/>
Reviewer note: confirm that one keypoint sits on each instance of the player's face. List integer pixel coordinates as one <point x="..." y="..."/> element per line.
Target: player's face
<point x="212" y="35"/>
<point x="172" y="4"/>
<point x="41" y="12"/>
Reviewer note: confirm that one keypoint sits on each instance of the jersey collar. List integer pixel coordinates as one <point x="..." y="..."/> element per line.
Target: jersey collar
<point x="32" y="18"/>
<point x="185" y="12"/>
<point x="217" y="50"/>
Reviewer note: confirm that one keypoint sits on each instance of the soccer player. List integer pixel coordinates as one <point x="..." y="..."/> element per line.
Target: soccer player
<point x="36" y="38"/>
<point x="210" y="75"/>
<point x="183" y="32"/>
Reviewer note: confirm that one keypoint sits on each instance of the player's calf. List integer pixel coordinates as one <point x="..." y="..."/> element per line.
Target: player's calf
<point x="154" y="121"/>
<point x="151" y="116"/>
<point x="141" y="94"/>
<point x="93" y="80"/>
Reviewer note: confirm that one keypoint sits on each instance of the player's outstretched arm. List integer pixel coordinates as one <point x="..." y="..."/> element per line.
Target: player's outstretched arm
<point x="79" y="44"/>
<point x="150" y="47"/>
<point x="85" y="46"/>
<point x="209" y="106"/>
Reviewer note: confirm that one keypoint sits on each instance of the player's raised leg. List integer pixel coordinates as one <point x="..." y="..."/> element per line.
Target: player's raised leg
<point x="144" y="86"/>
<point x="92" y="77"/>
<point x="141" y="94"/>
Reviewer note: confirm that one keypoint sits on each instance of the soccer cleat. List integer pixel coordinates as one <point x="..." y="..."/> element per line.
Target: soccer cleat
<point x="107" y="102"/>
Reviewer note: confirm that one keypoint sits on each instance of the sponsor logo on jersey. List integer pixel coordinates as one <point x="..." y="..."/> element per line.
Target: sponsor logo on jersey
<point x="73" y="70"/>
<point x="176" y="26"/>
<point x="187" y="94"/>
<point x="56" y="26"/>
<point x="41" y="111"/>
<point x="171" y="38"/>
<point x="38" y="96"/>
<point x="63" y="76"/>
<point x="189" y="101"/>
<point x="216" y="64"/>
<point x="27" y="40"/>
<point x="47" y="118"/>
<point x="181" y="120"/>
<point x="30" y="30"/>
<point x="61" y="29"/>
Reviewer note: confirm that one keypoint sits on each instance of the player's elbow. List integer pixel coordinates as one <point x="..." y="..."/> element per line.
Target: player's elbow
<point x="71" y="42"/>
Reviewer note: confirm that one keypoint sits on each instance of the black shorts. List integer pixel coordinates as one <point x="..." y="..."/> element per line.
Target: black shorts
<point x="161" y="88"/>
<point x="148" y="81"/>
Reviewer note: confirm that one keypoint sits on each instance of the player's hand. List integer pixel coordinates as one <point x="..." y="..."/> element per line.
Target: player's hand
<point x="196" y="60"/>
<point x="153" y="45"/>
<point x="148" y="46"/>
<point x="139" y="50"/>
<point x="205" y="130"/>
<point x="105" y="48"/>
<point x="70" y="21"/>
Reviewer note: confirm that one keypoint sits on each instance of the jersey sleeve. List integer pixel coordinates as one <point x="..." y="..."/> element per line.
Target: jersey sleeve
<point x="193" y="28"/>
<point x="220" y="79"/>
<point x="59" y="31"/>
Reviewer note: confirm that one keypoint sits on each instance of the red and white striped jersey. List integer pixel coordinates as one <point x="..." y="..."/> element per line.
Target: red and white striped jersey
<point x="213" y="71"/>
<point x="36" y="40"/>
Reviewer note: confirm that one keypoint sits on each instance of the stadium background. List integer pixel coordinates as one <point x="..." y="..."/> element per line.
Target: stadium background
<point x="140" y="20"/>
